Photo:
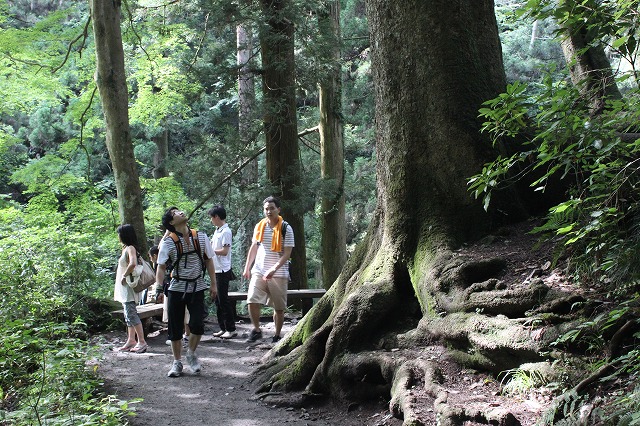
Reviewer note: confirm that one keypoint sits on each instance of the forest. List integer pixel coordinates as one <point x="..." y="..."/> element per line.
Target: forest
<point x="395" y="134"/>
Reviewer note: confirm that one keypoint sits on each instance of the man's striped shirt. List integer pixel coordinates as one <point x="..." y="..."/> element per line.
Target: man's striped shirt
<point x="193" y="268"/>
<point x="265" y="258"/>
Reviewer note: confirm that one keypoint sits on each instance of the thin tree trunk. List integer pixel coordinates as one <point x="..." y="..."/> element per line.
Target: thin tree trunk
<point x="333" y="225"/>
<point x="281" y="130"/>
<point x="246" y="84"/>
<point x="246" y="118"/>
<point x="160" y="157"/>
<point x="111" y="81"/>
<point x="534" y="35"/>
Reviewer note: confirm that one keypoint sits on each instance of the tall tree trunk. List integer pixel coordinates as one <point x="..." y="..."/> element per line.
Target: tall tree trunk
<point x="111" y="81"/>
<point x="281" y="129"/>
<point x="246" y="83"/>
<point x="433" y="63"/>
<point x="160" y="157"/>
<point x="333" y="224"/>
<point x="246" y="126"/>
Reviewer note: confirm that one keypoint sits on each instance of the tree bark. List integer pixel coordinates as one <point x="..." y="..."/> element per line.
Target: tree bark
<point x="589" y="66"/>
<point x="111" y="81"/>
<point x="333" y="224"/>
<point x="246" y="84"/>
<point x="433" y="65"/>
<point x="281" y="129"/>
<point x="246" y="120"/>
<point x="160" y="157"/>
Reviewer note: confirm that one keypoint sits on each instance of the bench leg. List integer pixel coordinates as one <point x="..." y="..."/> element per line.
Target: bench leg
<point x="146" y="325"/>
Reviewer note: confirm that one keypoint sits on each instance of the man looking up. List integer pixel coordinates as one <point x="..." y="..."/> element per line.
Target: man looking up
<point x="269" y="254"/>
<point x="190" y="253"/>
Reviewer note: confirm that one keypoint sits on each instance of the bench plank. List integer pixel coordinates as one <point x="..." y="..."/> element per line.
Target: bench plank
<point x="144" y="311"/>
<point x="305" y="293"/>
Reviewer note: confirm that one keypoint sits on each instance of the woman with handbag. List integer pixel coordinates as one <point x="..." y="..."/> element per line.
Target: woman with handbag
<point x="123" y="291"/>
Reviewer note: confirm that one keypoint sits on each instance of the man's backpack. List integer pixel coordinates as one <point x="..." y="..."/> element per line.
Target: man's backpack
<point x="181" y="253"/>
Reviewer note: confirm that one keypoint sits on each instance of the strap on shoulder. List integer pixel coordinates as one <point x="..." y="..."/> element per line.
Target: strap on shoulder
<point x="196" y="241"/>
<point x="177" y="242"/>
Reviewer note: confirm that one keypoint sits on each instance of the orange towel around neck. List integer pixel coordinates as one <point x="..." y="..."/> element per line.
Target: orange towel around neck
<point x="276" y="240"/>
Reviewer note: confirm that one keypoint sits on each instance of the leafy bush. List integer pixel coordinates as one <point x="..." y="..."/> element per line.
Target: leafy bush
<point x="44" y="378"/>
<point x="600" y="220"/>
<point x="56" y="259"/>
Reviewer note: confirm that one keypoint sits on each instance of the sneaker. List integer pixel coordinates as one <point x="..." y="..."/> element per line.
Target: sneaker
<point x="228" y="334"/>
<point x="254" y="335"/>
<point x="275" y="339"/>
<point x="219" y="333"/>
<point x="176" y="369"/>
<point x="194" y="364"/>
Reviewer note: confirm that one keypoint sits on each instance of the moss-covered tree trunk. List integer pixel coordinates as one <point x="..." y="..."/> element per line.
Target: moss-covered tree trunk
<point x="281" y="127"/>
<point x="111" y="81"/>
<point x="434" y="63"/>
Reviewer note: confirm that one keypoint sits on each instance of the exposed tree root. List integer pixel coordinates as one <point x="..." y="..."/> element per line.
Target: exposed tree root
<point x="457" y="416"/>
<point x="293" y="371"/>
<point x="342" y="348"/>
<point x="410" y="374"/>
<point x="289" y="399"/>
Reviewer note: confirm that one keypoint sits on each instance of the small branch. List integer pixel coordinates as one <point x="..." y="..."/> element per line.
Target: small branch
<point x="229" y="176"/>
<point x="82" y="36"/>
<point x="200" y="43"/>
<point x="629" y="137"/>
<point x="308" y="131"/>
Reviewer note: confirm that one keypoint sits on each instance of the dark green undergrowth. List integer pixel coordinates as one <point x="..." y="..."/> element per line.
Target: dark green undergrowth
<point x="555" y="141"/>
<point x="55" y="292"/>
<point x="606" y="348"/>
<point x="48" y="376"/>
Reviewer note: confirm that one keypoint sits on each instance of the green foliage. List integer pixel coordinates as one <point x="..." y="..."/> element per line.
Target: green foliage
<point x="528" y="44"/>
<point x="599" y="220"/>
<point x="619" y="405"/>
<point x="519" y="381"/>
<point x="44" y="377"/>
<point x="612" y="22"/>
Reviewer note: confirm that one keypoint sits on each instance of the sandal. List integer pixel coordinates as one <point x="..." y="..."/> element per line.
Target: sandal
<point x="127" y="347"/>
<point x="139" y="349"/>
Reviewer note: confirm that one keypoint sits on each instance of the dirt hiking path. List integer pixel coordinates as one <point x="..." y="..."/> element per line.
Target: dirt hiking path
<point x="221" y="394"/>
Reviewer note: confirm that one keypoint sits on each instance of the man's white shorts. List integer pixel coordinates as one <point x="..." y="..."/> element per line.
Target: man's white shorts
<point x="272" y="292"/>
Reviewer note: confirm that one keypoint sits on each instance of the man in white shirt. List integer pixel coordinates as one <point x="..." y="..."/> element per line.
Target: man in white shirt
<point x="221" y="242"/>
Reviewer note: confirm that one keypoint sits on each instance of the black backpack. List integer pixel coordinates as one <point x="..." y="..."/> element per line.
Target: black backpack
<point x="180" y="249"/>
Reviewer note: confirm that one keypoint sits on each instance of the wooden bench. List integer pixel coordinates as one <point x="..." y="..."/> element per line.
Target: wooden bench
<point x="305" y="293"/>
<point x="145" y="312"/>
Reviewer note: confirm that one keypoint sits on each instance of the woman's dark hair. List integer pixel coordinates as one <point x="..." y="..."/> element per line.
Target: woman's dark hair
<point x="219" y="211"/>
<point x="154" y="250"/>
<point x="167" y="217"/>
<point x="127" y="235"/>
